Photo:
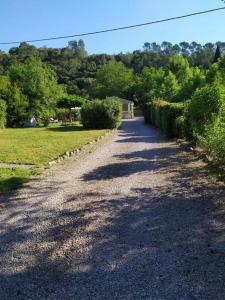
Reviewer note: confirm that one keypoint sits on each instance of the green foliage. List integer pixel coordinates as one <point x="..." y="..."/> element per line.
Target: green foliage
<point x="204" y="107"/>
<point x="156" y="84"/>
<point x="77" y="70"/>
<point x="179" y="127"/>
<point x="113" y="79"/>
<point x="132" y="111"/>
<point x="194" y="80"/>
<point x="62" y="114"/>
<point x="69" y="101"/>
<point x="164" y="115"/>
<point x="212" y="133"/>
<point x="17" y="103"/>
<point x="66" y="115"/>
<point x="179" y="66"/>
<point x="217" y="54"/>
<point x="214" y="138"/>
<point x="101" y="114"/>
<point x="2" y="114"/>
<point x="17" y="107"/>
<point x="175" y="83"/>
<point x="78" y="48"/>
<point x="38" y="83"/>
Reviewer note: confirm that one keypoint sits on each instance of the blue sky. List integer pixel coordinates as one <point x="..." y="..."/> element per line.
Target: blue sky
<point x="30" y="19"/>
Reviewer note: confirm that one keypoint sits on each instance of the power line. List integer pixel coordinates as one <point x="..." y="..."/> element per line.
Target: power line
<point x="115" y="29"/>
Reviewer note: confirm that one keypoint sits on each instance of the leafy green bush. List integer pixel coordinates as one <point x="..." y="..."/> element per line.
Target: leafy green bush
<point x="163" y="115"/>
<point x="204" y="107"/>
<point x="170" y="112"/>
<point x="75" y="115"/>
<point x="132" y="111"/>
<point x="67" y="115"/>
<point x="147" y="109"/>
<point x="214" y="138"/>
<point x="69" y="101"/>
<point x="102" y="114"/>
<point x="2" y="113"/>
<point x="62" y="114"/>
<point x="179" y="127"/>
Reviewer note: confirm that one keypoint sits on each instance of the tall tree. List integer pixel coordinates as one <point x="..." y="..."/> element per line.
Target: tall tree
<point x="38" y="83"/>
<point x="113" y="79"/>
<point x="217" y="54"/>
<point x="78" y="48"/>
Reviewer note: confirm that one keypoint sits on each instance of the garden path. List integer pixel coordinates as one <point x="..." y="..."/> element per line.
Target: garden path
<point x="136" y="218"/>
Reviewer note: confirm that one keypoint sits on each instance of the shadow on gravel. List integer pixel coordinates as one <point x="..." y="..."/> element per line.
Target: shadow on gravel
<point x="140" y="139"/>
<point x="133" y="135"/>
<point x="161" y="243"/>
<point x="157" y="160"/>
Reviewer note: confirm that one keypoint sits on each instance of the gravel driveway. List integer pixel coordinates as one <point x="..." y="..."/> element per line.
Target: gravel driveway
<point x="134" y="217"/>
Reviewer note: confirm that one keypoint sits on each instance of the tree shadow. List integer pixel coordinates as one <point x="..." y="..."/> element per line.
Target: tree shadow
<point x="165" y="241"/>
<point x="65" y="128"/>
<point x="12" y="183"/>
<point x="157" y="243"/>
<point x="156" y="159"/>
<point x="133" y="134"/>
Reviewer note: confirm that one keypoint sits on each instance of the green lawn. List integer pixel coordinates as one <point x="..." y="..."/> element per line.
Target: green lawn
<point x="41" y="145"/>
<point x="38" y="146"/>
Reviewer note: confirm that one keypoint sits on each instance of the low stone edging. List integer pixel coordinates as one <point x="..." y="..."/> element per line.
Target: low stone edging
<point x="68" y="154"/>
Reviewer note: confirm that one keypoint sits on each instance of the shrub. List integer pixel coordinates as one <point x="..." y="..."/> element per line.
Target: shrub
<point x="204" y="107"/>
<point x="163" y="115"/>
<point x="62" y="114"/>
<point x="179" y="127"/>
<point x="146" y="109"/>
<point x="101" y="114"/>
<point x="170" y="112"/>
<point x="2" y="113"/>
<point x="214" y="138"/>
<point x="75" y="115"/>
<point x="132" y="111"/>
<point x="69" y="101"/>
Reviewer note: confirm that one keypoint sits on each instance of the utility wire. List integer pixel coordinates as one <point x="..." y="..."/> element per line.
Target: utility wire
<point x="115" y="29"/>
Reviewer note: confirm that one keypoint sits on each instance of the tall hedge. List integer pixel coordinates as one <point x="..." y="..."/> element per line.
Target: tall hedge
<point x="2" y="113"/>
<point x="204" y="107"/>
<point x="101" y="114"/>
<point x="163" y="115"/>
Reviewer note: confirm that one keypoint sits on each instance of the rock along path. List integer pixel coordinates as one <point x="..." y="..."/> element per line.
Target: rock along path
<point x="137" y="218"/>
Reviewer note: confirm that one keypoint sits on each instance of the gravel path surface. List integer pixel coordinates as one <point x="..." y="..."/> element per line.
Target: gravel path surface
<point x="136" y="218"/>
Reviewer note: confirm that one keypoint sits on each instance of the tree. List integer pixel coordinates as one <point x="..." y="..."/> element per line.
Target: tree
<point x="38" y="83"/>
<point x="157" y="83"/>
<point x="180" y="68"/>
<point x="195" y="80"/>
<point x="2" y="113"/>
<point x="70" y="101"/>
<point x="17" y="103"/>
<point x="217" y="54"/>
<point x="113" y="79"/>
<point x="78" y="48"/>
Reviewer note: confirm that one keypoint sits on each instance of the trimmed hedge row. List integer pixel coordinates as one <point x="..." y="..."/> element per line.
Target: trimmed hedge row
<point x="166" y="116"/>
<point x="201" y="119"/>
<point x="102" y="114"/>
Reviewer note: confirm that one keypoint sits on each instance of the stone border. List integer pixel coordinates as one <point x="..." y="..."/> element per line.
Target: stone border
<point x="68" y="154"/>
<point x="16" y="166"/>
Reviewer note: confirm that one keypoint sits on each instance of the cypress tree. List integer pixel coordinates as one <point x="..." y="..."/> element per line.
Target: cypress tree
<point x="217" y="54"/>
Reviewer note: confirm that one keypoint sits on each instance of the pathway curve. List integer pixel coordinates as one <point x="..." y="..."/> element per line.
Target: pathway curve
<point x="137" y="218"/>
